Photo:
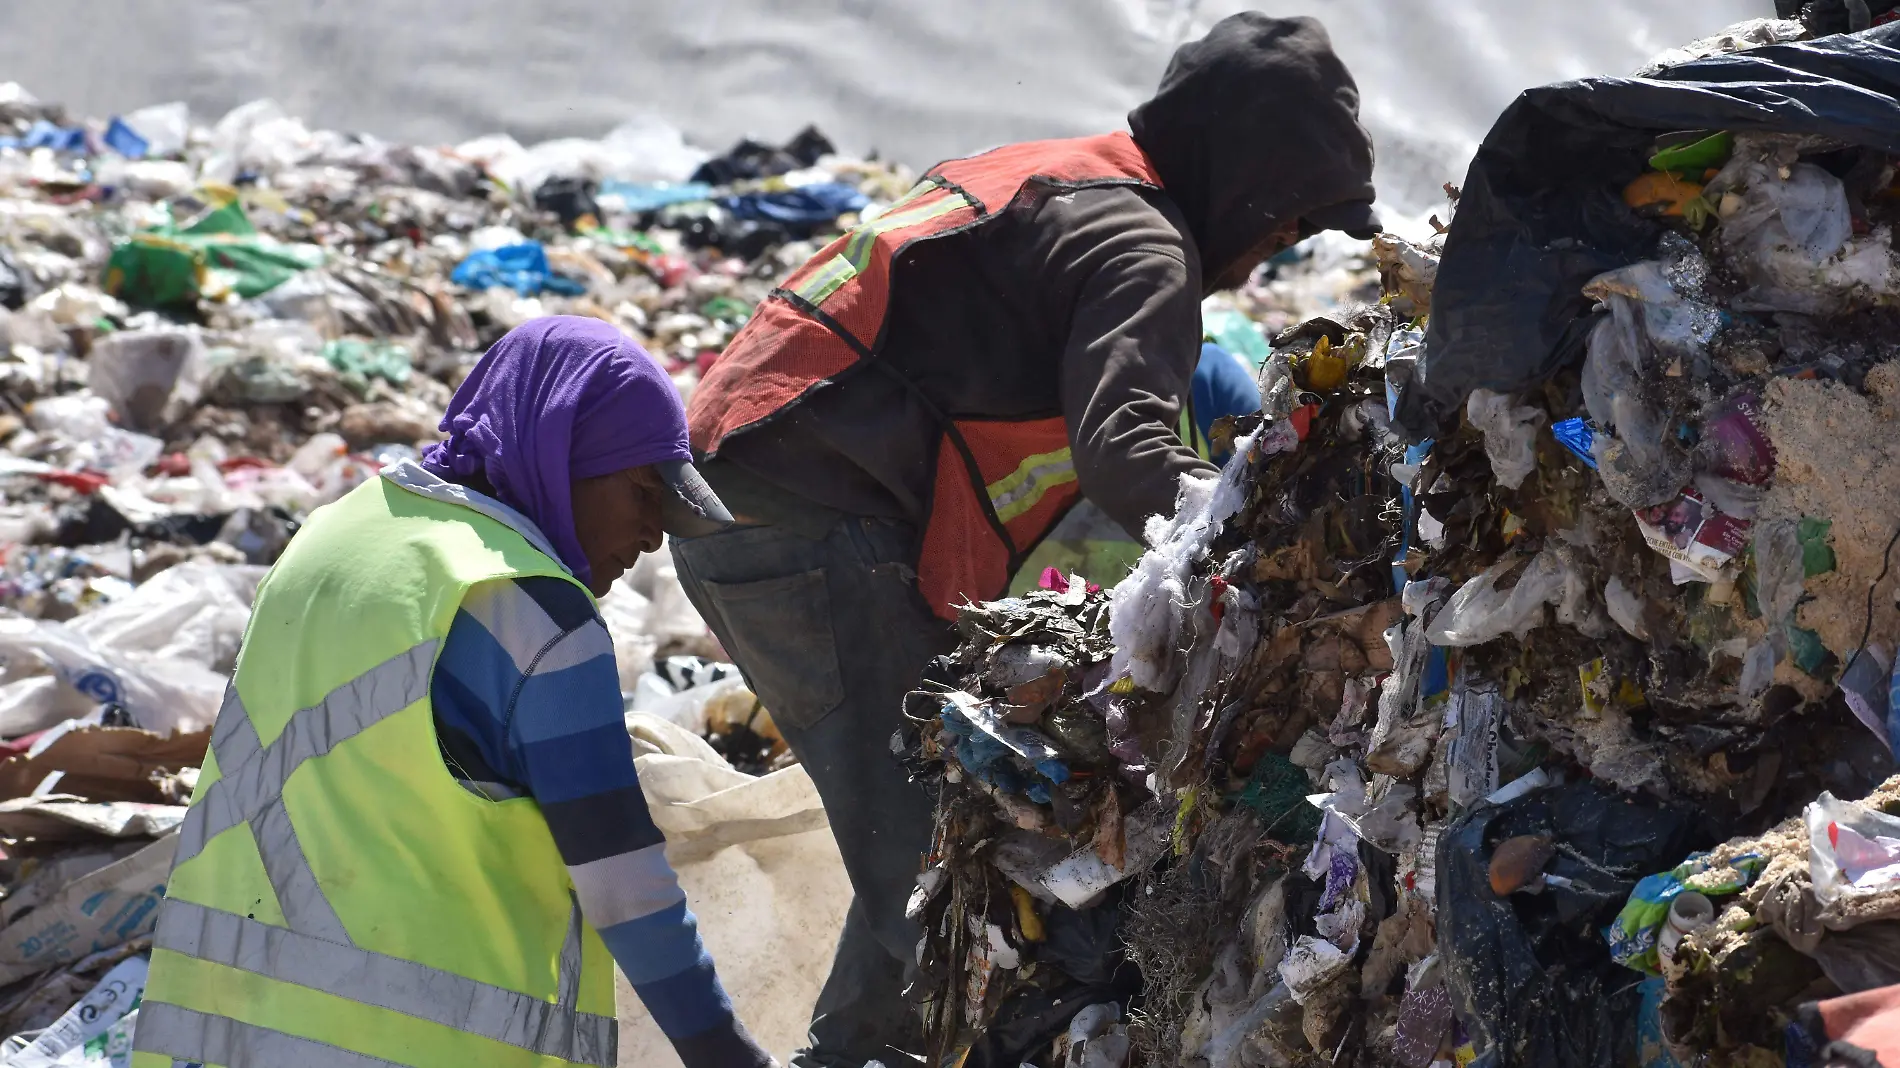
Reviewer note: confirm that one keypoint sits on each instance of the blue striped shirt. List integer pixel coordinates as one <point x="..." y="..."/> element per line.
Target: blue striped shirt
<point x="527" y="703"/>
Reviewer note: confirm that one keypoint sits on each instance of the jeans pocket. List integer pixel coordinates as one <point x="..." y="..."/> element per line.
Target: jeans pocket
<point x="779" y="630"/>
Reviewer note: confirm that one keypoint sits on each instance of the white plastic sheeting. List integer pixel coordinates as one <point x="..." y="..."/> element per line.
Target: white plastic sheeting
<point x="761" y="873"/>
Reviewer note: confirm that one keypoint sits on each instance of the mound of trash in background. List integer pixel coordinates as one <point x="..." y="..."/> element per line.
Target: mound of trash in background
<point x="1523" y="692"/>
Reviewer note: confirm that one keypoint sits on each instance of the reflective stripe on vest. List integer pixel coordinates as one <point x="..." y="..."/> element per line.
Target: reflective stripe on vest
<point x="222" y="1040"/>
<point x="315" y="951"/>
<point x="1022" y="489"/>
<point x="856" y="254"/>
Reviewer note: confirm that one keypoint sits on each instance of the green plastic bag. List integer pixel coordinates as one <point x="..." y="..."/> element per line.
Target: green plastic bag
<point x="358" y="361"/>
<point x="218" y="252"/>
<point x="1695" y="157"/>
<point x="1632" y="936"/>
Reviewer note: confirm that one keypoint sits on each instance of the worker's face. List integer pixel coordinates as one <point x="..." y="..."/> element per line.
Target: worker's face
<point x="616" y="518"/>
<point x="1278" y="240"/>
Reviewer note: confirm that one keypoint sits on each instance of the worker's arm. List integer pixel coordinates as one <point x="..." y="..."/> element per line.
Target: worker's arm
<point x="1134" y="337"/>
<point x="527" y="701"/>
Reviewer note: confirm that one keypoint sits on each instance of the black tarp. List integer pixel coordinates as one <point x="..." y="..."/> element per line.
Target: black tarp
<point x="1542" y="211"/>
<point x="1529" y="976"/>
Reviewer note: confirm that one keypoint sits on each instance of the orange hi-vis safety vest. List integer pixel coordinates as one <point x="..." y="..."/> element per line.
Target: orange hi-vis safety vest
<point x="1001" y="484"/>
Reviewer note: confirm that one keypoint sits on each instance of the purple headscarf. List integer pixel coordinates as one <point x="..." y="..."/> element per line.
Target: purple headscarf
<point x="558" y="399"/>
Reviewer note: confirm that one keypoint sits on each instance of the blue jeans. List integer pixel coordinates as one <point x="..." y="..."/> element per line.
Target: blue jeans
<point x="831" y="633"/>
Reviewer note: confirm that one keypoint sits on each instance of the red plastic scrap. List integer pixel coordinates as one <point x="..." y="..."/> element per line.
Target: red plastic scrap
<point x="1303" y="419"/>
<point x="86" y="482"/>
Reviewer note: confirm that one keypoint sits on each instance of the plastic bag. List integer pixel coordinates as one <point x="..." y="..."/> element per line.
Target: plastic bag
<point x="258" y="136"/>
<point x="195" y="613"/>
<point x="522" y="268"/>
<point x="759" y="865"/>
<point x="165" y="128"/>
<point x="161" y="696"/>
<point x="152" y="378"/>
<point x="1541" y="211"/>
<point x="81" y="1037"/>
<point x="1752" y="33"/>
<point x="1793" y="240"/>
<point x="1626" y="608"/>
<point x="1640" y="465"/>
<point x="1480" y="612"/>
<point x="626" y="612"/>
<point x="1853" y="851"/>
<point x="1633" y="935"/>
<point x="1143" y="617"/>
<point x="83" y="420"/>
<point x="1510" y="434"/>
<point x="1529" y="979"/>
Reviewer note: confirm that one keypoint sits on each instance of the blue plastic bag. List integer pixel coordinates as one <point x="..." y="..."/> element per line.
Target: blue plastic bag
<point x="801" y="209"/>
<point x="522" y="268"/>
<point x="125" y="140"/>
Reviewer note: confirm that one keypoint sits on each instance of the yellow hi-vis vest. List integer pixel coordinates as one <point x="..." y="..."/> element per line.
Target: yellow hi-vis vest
<point x="338" y="900"/>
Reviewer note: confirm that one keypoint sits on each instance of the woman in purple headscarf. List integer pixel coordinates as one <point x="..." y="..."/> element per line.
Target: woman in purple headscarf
<point x="576" y="428"/>
<point x="566" y="458"/>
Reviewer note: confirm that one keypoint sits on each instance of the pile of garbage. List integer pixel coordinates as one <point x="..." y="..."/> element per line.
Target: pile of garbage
<point x="208" y="331"/>
<point x="1524" y="691"/>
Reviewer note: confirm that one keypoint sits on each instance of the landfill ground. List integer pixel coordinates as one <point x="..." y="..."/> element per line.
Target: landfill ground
<point x="1524" y="692"/>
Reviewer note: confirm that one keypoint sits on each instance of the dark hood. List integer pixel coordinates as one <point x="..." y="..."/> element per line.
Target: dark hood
<point x="1254" y="125"/>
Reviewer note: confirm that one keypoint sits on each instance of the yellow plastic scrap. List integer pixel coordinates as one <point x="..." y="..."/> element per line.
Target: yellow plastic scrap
<point x="1123" y="686"/>
<point x="1603" y="694"/>
<point x="1511" y="526"/>
<point x="1325" y="368"/>
<point x="1026" y="918"/>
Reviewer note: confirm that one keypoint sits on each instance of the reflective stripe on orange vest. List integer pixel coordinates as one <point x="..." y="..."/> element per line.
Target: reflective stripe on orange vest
<point x="861" y="240"/>
<point x="1024" y="488"/>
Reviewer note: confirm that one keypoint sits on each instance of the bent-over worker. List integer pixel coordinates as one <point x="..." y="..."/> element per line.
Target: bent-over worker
<point x="914" y="409"/>
<point x="419" y="839"/>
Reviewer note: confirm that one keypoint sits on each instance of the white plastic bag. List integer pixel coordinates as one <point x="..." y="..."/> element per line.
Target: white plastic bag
<point x="83" y="421"/>
<point x="151" y="378"/>
<point x="195" y="612"/>
<point x="165" y="127"/>
<point x="1145" y="610"/>
<point x="1510" y="434"/>
<point x="1480" y="612"/>
<point x="164" y="696"/>
<point x="64" y="1043"/>
<point x="628" y="614"/>
<point x="1626" y="608"/>
<point x="1792" y="240"/>
<point x="1853" y="851"/>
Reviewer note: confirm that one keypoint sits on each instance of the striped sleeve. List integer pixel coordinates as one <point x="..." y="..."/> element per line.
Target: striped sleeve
<point x="527" y="702"/>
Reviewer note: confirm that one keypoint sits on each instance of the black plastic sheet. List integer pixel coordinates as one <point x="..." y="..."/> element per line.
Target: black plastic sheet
<point x="1529" y="977"/>
<point x="1542" y="211"/>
